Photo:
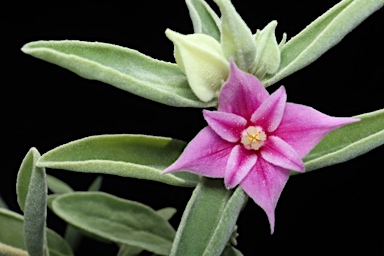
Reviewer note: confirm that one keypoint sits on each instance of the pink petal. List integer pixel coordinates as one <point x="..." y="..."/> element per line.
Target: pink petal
<point x="227" y="125"/>
<point x="240" y="162"/>
<point x="206" y="154"/>
<point x="280" y="153"/>
<point x="264" y="184"/>
<point x="242" y="93"/>
<point x="303" y="127"/>
<point x="270" y="113"/>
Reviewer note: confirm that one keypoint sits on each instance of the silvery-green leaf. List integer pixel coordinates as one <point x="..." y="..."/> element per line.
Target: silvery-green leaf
<point x="11" y="221"/>
<point x="267" y="51"/>
<point x="231" y="251"/>
<point x="121" y="67"/>
<point x="348" y="142"/>
<point x="321" y="35"/>
<point x="58" y="186"/>
<point x="117" y="220"/>
<point x="135" y="156"/>
<point x="201" y="59"/>
<point x="211" y="213"/>
<point x="3" y="204"/>
<point x="236" y="38"/>
<point x="96" y="184"/>
<point x="204" y="19"/>
<point x="35" y="208"/>
<point x="128" y="250"/>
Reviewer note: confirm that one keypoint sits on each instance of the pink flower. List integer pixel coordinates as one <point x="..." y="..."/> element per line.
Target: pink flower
<point x="255" y="139"/>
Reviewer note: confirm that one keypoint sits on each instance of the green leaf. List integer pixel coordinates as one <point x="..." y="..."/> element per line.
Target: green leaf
<point x="35" y="209"/>
<point x="209" y="219"/>
<point x="3" y="204"/>
<point x="231" y="251"/>
<point x="7" y="250"/>
<point x="24" y="176"/>
<point x="96" y="184"/>
<point x="118" y="220"/>
<point x="204" y="19"/>
<point x="135" y="156"/>
<point x="348" y="142"/>
<point x="321" y="35"/>
<point x="121" y="67"/>
<point x="57" y="186"/>
<point x="128" y="250"/>
<point x="236" y="38"/>
<point x="12" y="234"/>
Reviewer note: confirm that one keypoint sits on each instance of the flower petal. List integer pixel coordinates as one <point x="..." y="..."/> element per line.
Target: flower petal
<point x="206" y="154"/>
<point x="270" y="113"/>
<point x="280" y="153"/>
<point x="240" y="162"/>
<point x="227" y="125"/>
<point x="264" y="184"/>
<point x="242" y="93"/>
<point x="303" y="127"/>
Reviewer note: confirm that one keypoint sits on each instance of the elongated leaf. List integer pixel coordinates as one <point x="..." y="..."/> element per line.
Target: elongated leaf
<point x="35" y="209"/>
<point x="204" y="19"/>
<point x="348" y="142"/>
<point x="121" y="67"/>
<point x="7" y="250"/>
<point x="117" y="220"/>
<point x="321" y="35"/>
<point x="129" y="250"/>
<point x="24" y="176"/>
<point x="231" y="251"/>
<point x="58" y="186"/>
<point x="236" y="38"/>
<point x="211" y="211"/>
<point x="136" y="156"/>
<point x="96" y="184"/>
<point x="12" y="234"/>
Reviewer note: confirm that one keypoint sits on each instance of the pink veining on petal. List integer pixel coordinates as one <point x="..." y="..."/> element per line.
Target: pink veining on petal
<point x="280" y="153"/>
<point x="270" y="113"/>
<point x="303" y="127"/>
<point x="240" y="162"/>
<point x="264" y="184"/>
<point x="227" y="125"/>
<point x="207" y="154"/>
<point x="241" y="94"/>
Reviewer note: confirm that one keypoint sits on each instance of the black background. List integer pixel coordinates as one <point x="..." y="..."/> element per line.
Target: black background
<point x="333" y="210"/>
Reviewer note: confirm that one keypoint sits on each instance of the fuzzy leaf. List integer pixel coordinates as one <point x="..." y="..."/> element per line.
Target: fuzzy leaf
<point x="348" y="142"/>
<point x="211" y="213"/>
<point x="236" y="38"/>
<point x="204" y="19"/>
<point x="35" y="208"/>
<point x="121" y="67"/>
<point x="117" y="220"/>
<point x="96" y="184"/>
<point x="3" y="204"/>
<point x="57" y="186"/>
<point x="321" y="35"/>
<point x="135" y="156"/>
<point x="13" y="221"/>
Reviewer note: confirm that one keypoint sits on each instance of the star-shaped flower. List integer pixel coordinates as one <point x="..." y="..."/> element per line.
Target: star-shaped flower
<point x="255" y="139"/>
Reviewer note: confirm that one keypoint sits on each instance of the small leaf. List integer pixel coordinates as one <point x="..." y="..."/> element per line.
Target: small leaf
<point x="57" y="186"/>
<point x="35" y="209"/>
<point x="117" y="220"/>
<point x="231" y="251"/>
<point x="166" y="213"/>
<point x="135" y="156"/>
<point x="348" y="142"/>
<point x="96" y="184"/>
<point x="236" y="38"/>
<point x="211" y="213"/>
<point x="121" y="67"/>
<point x="321" y="35"/>
<point x="204" y="19"/>
<point x="3" y="204"/>
<point x="12" y="234"/>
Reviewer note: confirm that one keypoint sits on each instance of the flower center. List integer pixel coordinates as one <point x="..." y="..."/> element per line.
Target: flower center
<point x="253" y="137"/>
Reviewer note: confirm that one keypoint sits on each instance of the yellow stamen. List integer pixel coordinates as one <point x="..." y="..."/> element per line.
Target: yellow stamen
<point x="253" y="137"/>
